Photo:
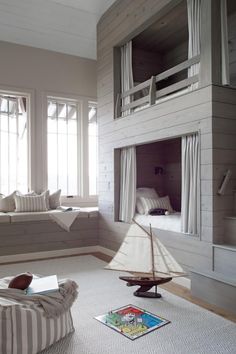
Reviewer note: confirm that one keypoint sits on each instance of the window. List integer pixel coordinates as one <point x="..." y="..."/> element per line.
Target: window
<point x="13" y="143"/>
<point x="93" y="148"/>
<point x="63" y="146"/>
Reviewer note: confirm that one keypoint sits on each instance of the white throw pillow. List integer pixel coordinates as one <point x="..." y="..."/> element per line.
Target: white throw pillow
<point x="7" y="203"/>
<point x="160" y="203"/>
<point x="55" y="199"/>
<point x="30" y="203"/>
<point x="145" y="193"/>
<point x="46" y="195"/>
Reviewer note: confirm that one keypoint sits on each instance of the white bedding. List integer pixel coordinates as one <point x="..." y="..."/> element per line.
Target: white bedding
<point x="170" y="222"/>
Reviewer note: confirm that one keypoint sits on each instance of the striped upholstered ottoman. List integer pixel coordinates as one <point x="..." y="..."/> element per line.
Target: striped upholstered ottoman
<point x="24" y="328"/>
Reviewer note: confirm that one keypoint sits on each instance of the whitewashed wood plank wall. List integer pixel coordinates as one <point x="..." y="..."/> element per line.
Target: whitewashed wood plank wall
<point x="192" y="112"/>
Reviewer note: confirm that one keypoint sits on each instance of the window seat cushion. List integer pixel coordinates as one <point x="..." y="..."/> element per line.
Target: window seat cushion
<point x="45" y="215"/>
<point x="29" y="216"/>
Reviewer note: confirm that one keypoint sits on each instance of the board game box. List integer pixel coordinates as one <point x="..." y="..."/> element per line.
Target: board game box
<point x="131" y="321"/>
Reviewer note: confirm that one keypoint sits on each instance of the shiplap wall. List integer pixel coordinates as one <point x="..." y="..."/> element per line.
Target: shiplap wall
<point x="165" y="154"/>
<point x="173" y="57"/>
<point x="145" y="64"/>
<point x="209" y="111"/>
<point x="232" y="47"/>
<point x="148" y="157"/>
<point x="182" y="115"/>
<point x="39" y="236"/>
<point x="224" y="155"/>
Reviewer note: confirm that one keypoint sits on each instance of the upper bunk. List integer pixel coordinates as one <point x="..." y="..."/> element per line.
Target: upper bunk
<point x="164" y="61"/>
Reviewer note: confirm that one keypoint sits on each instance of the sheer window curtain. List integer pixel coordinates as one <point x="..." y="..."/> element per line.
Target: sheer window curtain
<point x="128" y="179"/>
<point x="224" y="44"/>
<point x="127" y="81"/>
<point x="190" y="184"/>
<point x="194" y="28"/>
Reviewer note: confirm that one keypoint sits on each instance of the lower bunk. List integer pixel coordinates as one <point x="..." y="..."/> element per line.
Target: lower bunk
<point x="170" y="222"/>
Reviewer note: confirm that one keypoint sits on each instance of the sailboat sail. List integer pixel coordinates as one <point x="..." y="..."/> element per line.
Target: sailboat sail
<point x="135" y="255"/>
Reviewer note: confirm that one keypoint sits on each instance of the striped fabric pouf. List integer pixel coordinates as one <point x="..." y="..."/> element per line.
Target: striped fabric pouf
<point x="25" y="330"/>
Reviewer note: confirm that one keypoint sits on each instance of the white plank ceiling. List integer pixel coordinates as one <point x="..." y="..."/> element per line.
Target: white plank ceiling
<point x="66" y="26"/>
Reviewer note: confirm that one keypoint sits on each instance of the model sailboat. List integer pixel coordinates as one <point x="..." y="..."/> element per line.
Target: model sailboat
<point x="144" y="256"/>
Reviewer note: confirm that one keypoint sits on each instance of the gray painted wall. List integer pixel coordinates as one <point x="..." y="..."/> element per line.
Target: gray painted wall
<point x="44" y="72"/>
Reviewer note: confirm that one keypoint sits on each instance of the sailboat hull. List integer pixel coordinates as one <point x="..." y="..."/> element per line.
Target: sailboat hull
<point x="145" y="285"/>
<point x="149" y="281"/>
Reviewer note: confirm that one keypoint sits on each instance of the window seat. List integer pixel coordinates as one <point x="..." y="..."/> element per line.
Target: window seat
<point x="13" y="217"/>
<point x="27" y="233"/>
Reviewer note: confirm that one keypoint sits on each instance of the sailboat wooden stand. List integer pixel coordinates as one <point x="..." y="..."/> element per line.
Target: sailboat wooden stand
<point x="149" y="261"/>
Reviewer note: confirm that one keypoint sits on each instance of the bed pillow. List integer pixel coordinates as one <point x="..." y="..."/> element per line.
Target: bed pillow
<point x="154" y="203"/>
<point x="55" y="199"/>
<point x="30" y="203"/>
<point x="7" y="203"/>
<point x="146" y="193"/>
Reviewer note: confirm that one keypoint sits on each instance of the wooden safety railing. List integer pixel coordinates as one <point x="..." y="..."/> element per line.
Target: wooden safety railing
<point x="122" y="108"/>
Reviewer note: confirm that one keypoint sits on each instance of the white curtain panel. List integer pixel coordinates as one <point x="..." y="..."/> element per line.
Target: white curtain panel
<point x="190" y="184"/>
<point x="127" y="81"/>
<point x="128" y="179"/>
<point x="224" y="45"/>
<point x="194" y="28"/>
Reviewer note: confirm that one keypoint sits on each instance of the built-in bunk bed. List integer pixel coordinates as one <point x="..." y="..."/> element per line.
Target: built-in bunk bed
<point x="158" y="167"/>
<point x="138" y="92"/>
<point x="162" y="62"/>
<point x="175" y="194"/>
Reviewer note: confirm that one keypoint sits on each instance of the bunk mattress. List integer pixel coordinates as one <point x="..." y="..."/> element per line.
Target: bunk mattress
<point x="163" y="99"/>
<point x="170" y="222"/>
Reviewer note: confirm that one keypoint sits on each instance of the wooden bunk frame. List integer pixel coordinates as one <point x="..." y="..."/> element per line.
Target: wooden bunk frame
<point x="154" y="94"/>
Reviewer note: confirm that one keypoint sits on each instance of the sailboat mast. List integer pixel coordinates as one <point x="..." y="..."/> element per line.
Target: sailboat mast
<point x="152" y="251"/>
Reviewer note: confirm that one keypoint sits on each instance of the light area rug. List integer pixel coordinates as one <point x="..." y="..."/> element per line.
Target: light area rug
<point x="192" y="330"/>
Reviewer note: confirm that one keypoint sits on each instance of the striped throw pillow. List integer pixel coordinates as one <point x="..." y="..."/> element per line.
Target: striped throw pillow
<point x="30" y="203"/>
<point x="160" y="203"/>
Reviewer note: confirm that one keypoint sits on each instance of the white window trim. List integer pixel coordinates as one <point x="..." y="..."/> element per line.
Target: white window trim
<point x="84" y="199"/>
<point x="31" y="149"/>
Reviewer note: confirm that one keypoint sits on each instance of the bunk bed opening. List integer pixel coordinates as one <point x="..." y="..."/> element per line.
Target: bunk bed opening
<point x="159" y="184"/>
<point x="162" y="62"/>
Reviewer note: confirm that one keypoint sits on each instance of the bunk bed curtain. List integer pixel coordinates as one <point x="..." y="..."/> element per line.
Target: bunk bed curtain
<point x="128" y="179"/>
<point x="194" y="28"/>
<point x="127" y="81"/>
<point x="190" y="184"/>
<point x="224" y="44"/>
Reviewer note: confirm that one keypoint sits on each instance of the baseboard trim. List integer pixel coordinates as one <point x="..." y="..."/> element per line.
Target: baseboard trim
<point x="185" y="282"/>
<point x="48" y="254"/>
<point x="106" y="251"/>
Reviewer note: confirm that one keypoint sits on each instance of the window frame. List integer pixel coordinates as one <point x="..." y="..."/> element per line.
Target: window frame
<point x="93" y="104"/>
<point x="83" y="199"/>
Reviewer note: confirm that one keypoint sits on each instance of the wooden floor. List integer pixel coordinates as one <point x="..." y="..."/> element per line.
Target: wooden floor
<point x="173" y="288"/>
